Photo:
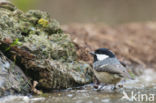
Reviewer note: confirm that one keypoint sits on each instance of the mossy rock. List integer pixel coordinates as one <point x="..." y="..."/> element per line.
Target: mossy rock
<point x="38" y="45"/>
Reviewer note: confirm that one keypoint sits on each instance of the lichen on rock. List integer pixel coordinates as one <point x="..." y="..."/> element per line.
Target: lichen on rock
<point x="45" y="53"/>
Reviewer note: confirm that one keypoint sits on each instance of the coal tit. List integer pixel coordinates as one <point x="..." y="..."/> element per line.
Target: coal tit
<point x="107" y="68"/>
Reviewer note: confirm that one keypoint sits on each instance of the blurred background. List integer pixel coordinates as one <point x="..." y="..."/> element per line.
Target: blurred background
<point x="94" y="11"/>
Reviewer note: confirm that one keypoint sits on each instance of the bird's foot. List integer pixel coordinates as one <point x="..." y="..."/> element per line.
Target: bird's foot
<point x="96" y="83"/>
<point x="114" y="87"/>
<point x="96" y="86"/>
<point x="121" y="86"/>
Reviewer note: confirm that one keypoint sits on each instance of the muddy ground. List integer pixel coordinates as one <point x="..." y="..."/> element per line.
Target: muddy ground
<point x="132" y="43"/>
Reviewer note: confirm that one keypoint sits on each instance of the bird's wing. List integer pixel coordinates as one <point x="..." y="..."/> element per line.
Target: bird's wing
<point x="108" y="68"/>
<point x="114" y="69"/>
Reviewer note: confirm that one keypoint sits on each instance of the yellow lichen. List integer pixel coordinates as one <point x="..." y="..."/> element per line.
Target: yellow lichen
<point x="43" y="22"/>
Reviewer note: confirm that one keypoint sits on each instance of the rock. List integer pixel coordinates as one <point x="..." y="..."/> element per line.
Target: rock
<point x="40" y="48"/>
<point x="12" y="79"/>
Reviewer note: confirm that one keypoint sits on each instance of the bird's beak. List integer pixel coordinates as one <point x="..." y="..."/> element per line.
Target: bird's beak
<point x="92" y="53"/>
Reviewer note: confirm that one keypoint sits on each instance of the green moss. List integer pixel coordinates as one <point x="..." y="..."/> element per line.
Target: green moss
<point x="15" y="43"/>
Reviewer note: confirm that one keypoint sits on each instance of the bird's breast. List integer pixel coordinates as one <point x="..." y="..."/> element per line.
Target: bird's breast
<point x="107" y="78"/>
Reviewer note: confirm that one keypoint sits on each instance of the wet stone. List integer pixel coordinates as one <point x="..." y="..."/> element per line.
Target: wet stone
<point x="12" y="79"/>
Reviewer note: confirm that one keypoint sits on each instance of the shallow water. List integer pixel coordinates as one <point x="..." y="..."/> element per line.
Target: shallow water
<point x="140" y="90"/>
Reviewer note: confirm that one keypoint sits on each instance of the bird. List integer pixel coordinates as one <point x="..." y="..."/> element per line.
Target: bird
<point x="107" y="68"/>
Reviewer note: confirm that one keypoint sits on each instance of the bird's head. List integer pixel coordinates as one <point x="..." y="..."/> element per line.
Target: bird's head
<point x="102" y="54"/>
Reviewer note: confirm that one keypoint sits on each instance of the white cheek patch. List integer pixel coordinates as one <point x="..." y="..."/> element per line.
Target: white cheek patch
<point x="101" y="56"/>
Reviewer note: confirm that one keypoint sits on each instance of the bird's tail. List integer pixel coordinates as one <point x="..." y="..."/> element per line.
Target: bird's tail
<point x="127" y="75"/>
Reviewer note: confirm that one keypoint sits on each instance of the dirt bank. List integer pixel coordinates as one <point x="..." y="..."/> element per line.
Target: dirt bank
<point x="134" y="42"/>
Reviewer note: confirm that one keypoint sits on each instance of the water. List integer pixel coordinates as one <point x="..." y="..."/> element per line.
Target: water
<point x="143" y="88"/>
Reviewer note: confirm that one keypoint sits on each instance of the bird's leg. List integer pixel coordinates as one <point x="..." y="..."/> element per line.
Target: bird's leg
<point x="114" y="87"/>
<point x="96" y="83"/>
